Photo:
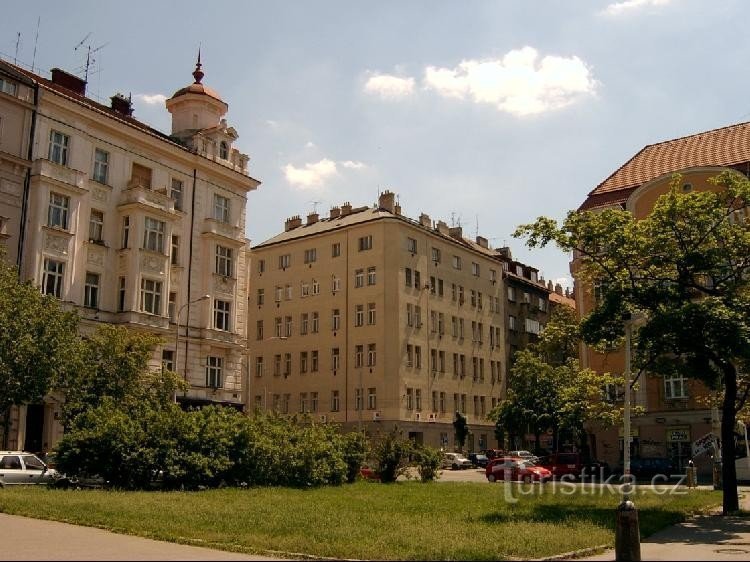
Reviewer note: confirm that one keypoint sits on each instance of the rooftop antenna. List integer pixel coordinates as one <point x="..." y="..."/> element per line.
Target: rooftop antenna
<point x="315" y="206"/>
<point x="36" y="39"/>
<point x="89" y="51"/>
<point x="476" y="230"/>
<point x="18" y="41"/>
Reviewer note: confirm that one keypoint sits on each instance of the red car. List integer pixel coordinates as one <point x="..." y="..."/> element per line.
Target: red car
<point x="516" y="468"/>
<point x="561" y="464"/>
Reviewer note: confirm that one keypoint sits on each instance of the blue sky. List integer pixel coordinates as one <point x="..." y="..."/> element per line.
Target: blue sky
<point x="488" y="113"/>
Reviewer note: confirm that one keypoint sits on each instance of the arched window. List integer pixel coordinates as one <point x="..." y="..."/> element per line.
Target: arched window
<point x="224" y="150"/>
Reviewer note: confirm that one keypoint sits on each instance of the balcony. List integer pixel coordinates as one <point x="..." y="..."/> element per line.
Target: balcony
<point x="221" y="336"/>
<point x="148" y="199"/>
<point x="143" y="319"/>
<point x="223" y="229"/>
<point x="68" y="177"/>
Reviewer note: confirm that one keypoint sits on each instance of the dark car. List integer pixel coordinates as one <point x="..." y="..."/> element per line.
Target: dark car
<point x="493" y="453"/>
<point x="478" y="459"/>
<point x="648" y="467"/>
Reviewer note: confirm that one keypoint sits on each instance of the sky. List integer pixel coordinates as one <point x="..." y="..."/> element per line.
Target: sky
<point x="484" y="114"/>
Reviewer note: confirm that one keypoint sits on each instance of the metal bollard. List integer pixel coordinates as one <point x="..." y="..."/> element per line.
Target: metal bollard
<point x="692" y="481"/>
<point x="627" y="533"/>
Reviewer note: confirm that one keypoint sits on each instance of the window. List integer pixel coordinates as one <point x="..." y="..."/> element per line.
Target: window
<point x="542" y="304"/>
<point x="440" y="287"/>
<point x="335" y="359"/>
<point x="456" y="262"/>
<point x="359" y="356"/>
<point x="461" y="328"/>
<point x="436" y="255"/>
<point x="365" y="243"/>
<point x="221" y="315"/>
<point x="214" y="367"/>
<point x="433" y="285"/>
<point x="418" y="316"/>
<point x="7" y="87"/>
<point x="176" y="193"/>
<point x="370" y="275"/>
<point x="303" y="402"/>
<point x="442" y="402"/>
<point x="359" y="315"/>
<point x="409" y="398"/>
<point x="460" y="294"/>
<point x="101" y="165"/>
<point x="167" y="359"/>
<point x="336" y="320"/>
<point x="288" y="326"/>
<point x="260" y="297"/>
<point x="359" y="278"/>
<point x="526" y="298"/>
<point x="313" y="402"/>
<point x="121" y="295"/>
<point x="58" y="147"/>
<point x="277" y="365"/>
<point x="335" y="401"/>
<point x="315" y="287"/>
<point x="441" y="323"/>
<point x="463" y="403"/>
<point x="358" y="398"/>
<point x="261" y="266"/>
<point x="125" y="231"/>
<point x="285" y="261"/>
<point x="288" y="292"/>
<point x="223" y="261"/>
<point x="409" y="355"/>
<point x="52" y="281"/>
<point x="153" y="235"/>
<point x="221" y="208"/>
<point x="335" y="250"/>
<point x="372" y="399"/>
<point x="409" y="315"/>
<point x="57" y="213"/>
<point x="172" y="307"/>
<point x="371" y="314"/>
<point x="314" y="361"/>
<point x="433" y="360"/>
<point x="475" y="269"/>
<point x="311" y="255"/>
<point x="336" y="284"/>
<point x="91" y="290"/>
<point x="493" y="275"/>
<point x="151" y="296"/>
<point x="315" y="323"/>
<point x="532" y="326"/>
<point x="175" y="257"/>
<point x="519" y="271"/>
<point x="417" y="281"/>
<point x="417" y="357"/>
<point x="259" y="330"/>
<point x="140" y="175"/>
<point x="371" y="355"/>
<point x="675" y="387"/>
<point x="512" y="294"/>
<point x="473" y="298"/>
<point x="278" y="292"/>
<point x="411" y="245"/>
<point x="303" y="324"/>
<point x="96" y="226"/>
<point x="511" y="322"/>
<point x="304" y="289"/>
<point x="407" y="277"/>
<point x="454" y="326"/>
<point x="287" y="364"/>
<point x="418" y="399"/>
<point x="223" y="150"/>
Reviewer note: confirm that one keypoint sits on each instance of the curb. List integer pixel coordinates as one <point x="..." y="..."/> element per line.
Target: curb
<point x="576" y="553"/>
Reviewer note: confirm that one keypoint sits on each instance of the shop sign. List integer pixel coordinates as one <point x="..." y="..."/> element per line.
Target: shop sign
<point x="706" y="444"/>
<point x="680" y="434"/>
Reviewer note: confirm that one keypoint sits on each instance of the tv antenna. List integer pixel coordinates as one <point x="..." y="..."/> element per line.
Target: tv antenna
<point x="315" y="205"/>
<point x="89" y="51"/>
<point x="18" y="42"/>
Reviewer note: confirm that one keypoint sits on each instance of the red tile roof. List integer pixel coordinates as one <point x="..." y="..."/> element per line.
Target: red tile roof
<point x="727" y="146"/>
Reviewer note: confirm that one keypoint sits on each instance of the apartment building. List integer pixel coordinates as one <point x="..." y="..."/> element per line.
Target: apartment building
<point x="677" y="410"/>
<point x="129" y="225"/>
<point x="370" y="319"/>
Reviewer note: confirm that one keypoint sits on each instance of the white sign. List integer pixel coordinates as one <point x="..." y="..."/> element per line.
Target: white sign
<point x="705" y="444"/>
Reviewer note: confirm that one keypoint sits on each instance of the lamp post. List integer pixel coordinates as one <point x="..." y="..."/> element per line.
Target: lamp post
<point x="177" y="337"/>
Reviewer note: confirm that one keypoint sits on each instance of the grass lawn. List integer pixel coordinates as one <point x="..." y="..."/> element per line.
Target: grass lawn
<point x="407" y="520"/>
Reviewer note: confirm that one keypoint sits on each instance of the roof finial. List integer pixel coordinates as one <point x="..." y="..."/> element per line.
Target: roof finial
<point x="198" y="73"/>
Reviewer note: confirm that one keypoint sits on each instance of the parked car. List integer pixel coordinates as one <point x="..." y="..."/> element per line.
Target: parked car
<point x="368" y="473"/>
<point x="21" y="468"/>
<point x="562" y="464"/>
<point x="647" y="467"/>
<point x="455" y="461"/>
<point x="516" y="468"/>
<point x="478" y="459"/>
<point x="493" y="453"/>
<point x="524" y="455"/>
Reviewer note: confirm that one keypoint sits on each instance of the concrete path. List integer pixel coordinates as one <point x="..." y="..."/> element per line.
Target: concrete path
<point x="710" y="537"/>
<point x="33" y="539"/>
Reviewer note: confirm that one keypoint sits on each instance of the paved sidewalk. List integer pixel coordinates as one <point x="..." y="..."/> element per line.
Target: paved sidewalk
<point x="35" y="539"/>
<point x="710" y="537"/>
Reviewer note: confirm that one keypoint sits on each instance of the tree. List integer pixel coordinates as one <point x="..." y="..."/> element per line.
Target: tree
<point x="684" y="271"/>
<point x="39" y="343"/>
<point x="461" y="429"/>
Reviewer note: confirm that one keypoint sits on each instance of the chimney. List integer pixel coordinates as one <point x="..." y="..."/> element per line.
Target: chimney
<point x="292" y="222"/>
<point x="312" y="218"/>
<point x="346" y="209"/>
<point x="68" y="81"/>
<point x="483" y="242"/>
<point x="550" y="286"/>
<point x="397" y="209"/>
<point x="505" y="252"/>
<point x="122" y="105"/>
<point x="387" y="201"/>
<point x="456" y="232"/>
<point x="443" y="228"/>
<point x="558" y="289"/>
<point x="424" y="220"/>
<point x="335" y="213"/>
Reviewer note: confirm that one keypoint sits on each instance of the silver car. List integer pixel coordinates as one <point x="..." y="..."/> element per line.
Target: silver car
<point x="20" y="468"/>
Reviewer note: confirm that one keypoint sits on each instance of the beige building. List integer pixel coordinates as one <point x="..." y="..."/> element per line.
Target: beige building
<point x="129" y="226"/>
<point x="371" y="319"/>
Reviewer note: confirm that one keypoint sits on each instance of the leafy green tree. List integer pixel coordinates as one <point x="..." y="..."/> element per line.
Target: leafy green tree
<point x="39" y="343"/>
<point x="683" y="271"/>
<point x="391" y="453"/>
<point x="355" y="447"/>
<point x="461" y="429"/>
<point x="428" y="461"/>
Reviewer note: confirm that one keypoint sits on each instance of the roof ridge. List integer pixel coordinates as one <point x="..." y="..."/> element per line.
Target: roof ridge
<point x="697" y="134"/>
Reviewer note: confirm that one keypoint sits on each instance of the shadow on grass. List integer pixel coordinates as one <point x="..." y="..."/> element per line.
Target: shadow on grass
<point x="651" y="519"/>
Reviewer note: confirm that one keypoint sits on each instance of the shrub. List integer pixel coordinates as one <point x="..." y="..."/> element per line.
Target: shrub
<point x="391" y="454"/>
<point x="355" y="448"/>
<point x="428" y="461"/>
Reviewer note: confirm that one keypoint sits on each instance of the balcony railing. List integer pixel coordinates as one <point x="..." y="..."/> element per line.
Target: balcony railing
<point x="63" y="174"/>
<point x="142" y="195"/>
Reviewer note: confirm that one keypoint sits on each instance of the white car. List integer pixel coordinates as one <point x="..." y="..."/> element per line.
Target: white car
<point x="20" y="468"/>
<point x="524" y="455"/>
<point x="455" y="461"/>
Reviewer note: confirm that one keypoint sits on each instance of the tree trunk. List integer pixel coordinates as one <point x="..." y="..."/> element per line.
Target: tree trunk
<point x="728" y="467"/>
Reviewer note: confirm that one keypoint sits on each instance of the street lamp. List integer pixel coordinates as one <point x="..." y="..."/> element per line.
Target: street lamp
<point x="177" y="336"/>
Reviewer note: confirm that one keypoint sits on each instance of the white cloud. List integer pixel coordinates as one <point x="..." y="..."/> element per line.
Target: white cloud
<point x="629" y="5"/>
<point x="152" y="99"/>
<point x="271" y="123"/>
<point x="309" y="144"/>
<point x="518" y="83"/>
<point x="388" y="86"/>
<point x="352" y="165"/>
<point x="310" y="175"/>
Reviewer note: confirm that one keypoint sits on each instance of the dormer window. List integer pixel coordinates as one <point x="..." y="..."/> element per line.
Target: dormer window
<point x="224" y="150"/>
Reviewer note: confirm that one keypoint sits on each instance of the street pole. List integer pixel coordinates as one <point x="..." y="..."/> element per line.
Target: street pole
<point x="716" y="430"/>
<point x="627" y="530"/>
<point x="177" y="338"/>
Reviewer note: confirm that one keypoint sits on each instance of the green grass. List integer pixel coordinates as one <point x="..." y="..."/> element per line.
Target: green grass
<point x="406" y="520"/>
